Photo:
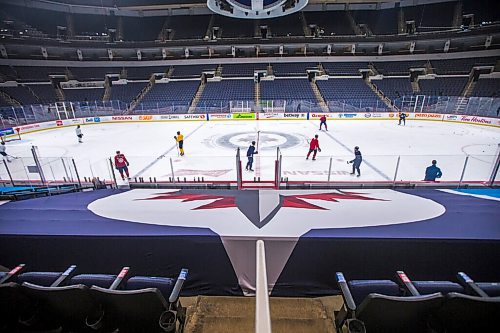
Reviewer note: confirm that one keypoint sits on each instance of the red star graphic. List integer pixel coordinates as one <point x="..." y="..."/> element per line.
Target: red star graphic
<point x="220" y="201"/>
<point x="296" y="201"/>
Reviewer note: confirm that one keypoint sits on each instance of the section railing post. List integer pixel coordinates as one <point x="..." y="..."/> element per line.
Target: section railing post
<point x="496" y="166"/>
<point x="65" y="170"/>
<point x="330" y="168"/>
<point x="112" y="172"/>
<point x="278" y="173"/>
<point x="172" y="170"/>
<point x="77" y="174"/>
<point x="262" y="309"/>
<point x="463" y="170"/>
<point x="396" y="171"/>
<point x="239" y="181"/>
<point x="38" y="164"/>
<point x="8" y="172"/>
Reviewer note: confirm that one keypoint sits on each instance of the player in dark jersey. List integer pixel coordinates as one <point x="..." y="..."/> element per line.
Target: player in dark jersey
<point x="250" y="152"/>
<point x="402" y="118"/>
<point x="356" y="162"/>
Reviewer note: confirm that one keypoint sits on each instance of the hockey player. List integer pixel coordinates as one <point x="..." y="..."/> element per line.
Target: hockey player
<point x="356" y="162"/>
<point x="3" y="151"/>
<point x="121" y="164"/>
<point x="250" y="152"/>
<point x="180" y="141"/>
<point x="323" y="122"/>
<point x="432" y="172"/>
<point x="313" y="147"/>
<point x="402" y="117"/>
<point x="79" y="133"/>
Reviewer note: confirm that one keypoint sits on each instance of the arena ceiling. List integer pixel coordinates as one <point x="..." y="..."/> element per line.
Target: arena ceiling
<point x="152" y="5"/>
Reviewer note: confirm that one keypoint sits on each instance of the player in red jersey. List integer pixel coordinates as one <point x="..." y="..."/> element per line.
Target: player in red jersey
<point x="323" y="122"/>
<point x="121" y="164"/>
<point x="313" y="147"/>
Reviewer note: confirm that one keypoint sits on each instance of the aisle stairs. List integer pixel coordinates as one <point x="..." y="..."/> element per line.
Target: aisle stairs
<point x="415" y="86"/>
<point x="107" y="90"/>
<point x="197" y="96"/>
<point x="321" y="100"/>
<point x="7" y="98"/>
<point x="461" y="105"/>
<point x="354" y="26"/>
<point x="469" y="87"/>
<point x="140" y="96"/>
<point x="256" y="95"/>
<point x="387" y="101"/>
<point x="237" y="314"/>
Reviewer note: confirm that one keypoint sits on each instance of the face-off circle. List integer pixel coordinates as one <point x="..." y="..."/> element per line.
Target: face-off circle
<point x="267" y="140"/>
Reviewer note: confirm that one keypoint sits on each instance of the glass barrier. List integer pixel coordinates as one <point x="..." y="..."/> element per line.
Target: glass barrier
<point x="197" y="168"/>
<point x="477" y="106"/>
<point x="474" y="106"/>
<point x="374" y="168"/>
<point x="412" y="168"/>
<point x="264" y="168"/>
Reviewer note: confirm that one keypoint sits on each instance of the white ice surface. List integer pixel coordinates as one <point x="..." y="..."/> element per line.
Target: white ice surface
<point x="150" y="146"/>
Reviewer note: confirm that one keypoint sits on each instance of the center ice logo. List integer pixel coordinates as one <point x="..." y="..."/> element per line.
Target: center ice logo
<point x="266" y="213"/>
<point x="258" y="206"/>
<point x="267" y="140"/>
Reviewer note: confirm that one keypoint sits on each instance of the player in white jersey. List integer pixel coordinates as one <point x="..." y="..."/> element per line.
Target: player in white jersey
<point x="3" y="151"/>
<point x="79" y="133"/>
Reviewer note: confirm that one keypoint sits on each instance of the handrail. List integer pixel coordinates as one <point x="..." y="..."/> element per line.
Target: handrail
<point x="262" y="312"/>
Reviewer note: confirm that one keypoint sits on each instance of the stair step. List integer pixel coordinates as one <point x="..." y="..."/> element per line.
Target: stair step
<point x="288" y="315"/>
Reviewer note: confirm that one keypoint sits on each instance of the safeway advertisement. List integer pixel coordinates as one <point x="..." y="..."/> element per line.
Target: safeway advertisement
<point x="328" y="115"/>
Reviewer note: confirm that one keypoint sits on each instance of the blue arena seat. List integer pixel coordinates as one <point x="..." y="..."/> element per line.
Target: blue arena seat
<point x="148" y="304"/>
<point x="490" y="288"/>
<point x="12" y="302"/>
<point x="366" y="309"/>
<point x="444" y="287"/>
<point x="52" y="302"/>
<point x="361" y="288"/>
<point x="39" y="278"/>
<point x="483" y="289"/>
<point x="458" y="312"/>
<point x="465" y="313"/>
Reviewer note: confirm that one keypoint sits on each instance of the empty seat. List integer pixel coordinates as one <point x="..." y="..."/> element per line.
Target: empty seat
<point x="149" y="304"/>
<point x="52" y="301"/>
<point x="361" y="288"/>
<point x="464" y="313"/>
<point x="366" y="308"/>
<point x="69" y="307"/>
<point x="431" y="287"/>
<point x="12" y="301"/>
<point x="39" y="278"/>
<point x="490" y="288"/>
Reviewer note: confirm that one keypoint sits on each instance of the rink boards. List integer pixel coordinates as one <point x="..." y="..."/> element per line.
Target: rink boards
<point x="466" y="119"/>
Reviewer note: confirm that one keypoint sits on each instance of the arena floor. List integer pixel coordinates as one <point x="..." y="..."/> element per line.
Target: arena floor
<point x="211" y="148"/>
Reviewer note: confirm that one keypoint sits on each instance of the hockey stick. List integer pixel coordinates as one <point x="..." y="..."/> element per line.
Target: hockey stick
<point x="177" y="145"/>
<point x="258" y="138"/>
<point x="14" y="157"/>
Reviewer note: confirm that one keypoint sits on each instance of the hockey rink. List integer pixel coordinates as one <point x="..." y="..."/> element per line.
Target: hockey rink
<point x="210" y="150"/>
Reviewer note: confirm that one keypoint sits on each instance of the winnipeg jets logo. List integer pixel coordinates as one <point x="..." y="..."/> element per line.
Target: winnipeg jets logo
<point x="260" y="207"/>
<point x="266" y="213"/>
